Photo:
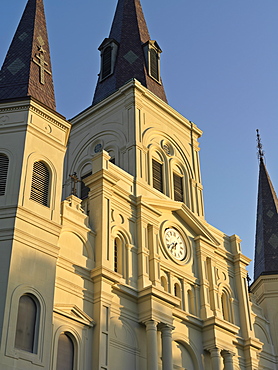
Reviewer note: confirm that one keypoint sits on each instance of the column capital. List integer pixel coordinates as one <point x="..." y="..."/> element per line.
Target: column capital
<point x="165" y="328"/>
<point x="151" y="324"/>
<point x="227" y="353"/>
<point x="215" y="351"/>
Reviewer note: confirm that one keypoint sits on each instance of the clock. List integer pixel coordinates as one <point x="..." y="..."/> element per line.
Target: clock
<point x="175" y="244"/>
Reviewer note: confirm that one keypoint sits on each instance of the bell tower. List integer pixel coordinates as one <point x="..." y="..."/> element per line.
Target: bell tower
<point x="264" y="286"/>
<point x="33" y="139"/>
<point x="138" y="160"/>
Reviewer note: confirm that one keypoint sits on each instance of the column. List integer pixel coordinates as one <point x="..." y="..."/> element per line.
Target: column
<point x="166" y="335"/>
<point x="151" y="329"/>
<point x="228" y="360"/>
<point x="216" y="359"/>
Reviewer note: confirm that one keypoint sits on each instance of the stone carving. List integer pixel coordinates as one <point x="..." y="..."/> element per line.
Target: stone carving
<point x="4" y="119"/>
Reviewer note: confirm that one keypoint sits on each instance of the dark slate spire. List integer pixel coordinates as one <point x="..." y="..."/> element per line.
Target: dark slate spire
<point x="27" y="68"/>
<point x="130" y="34"/>
<point x="266" y="249"/>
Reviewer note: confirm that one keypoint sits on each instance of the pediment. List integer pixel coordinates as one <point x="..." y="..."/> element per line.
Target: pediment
<point x="75" y="313"/>
<point x="195" y="223"/>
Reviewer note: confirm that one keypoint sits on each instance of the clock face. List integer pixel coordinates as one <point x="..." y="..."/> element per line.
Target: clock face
<point x="175" y="244"/>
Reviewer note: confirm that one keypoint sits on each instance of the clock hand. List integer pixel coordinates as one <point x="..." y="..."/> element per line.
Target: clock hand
<point x="174" y="245"/>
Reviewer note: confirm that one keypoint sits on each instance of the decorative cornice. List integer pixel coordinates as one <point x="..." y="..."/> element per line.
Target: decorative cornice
<point x="49" y="119"/>
<point x="14" y="108"/>
<point x="39" y="112"/>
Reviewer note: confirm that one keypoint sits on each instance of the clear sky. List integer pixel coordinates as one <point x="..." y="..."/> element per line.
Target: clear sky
<point x="219" y="68"/>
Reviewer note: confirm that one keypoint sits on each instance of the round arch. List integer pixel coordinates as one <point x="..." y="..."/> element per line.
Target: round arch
<point x="191" y="348"/>
<point x="77" y="343"/>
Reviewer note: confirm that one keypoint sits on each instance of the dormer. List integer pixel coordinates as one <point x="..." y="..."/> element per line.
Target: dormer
<point x="108" y="53"/>
<point x="152" y="53"/>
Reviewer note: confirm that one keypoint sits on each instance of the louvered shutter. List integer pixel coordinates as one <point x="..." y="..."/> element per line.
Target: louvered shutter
<point x="84" y="189"/>
<point x="4" y="165"/>
<point x="40" y="183"/>
<point x="154" y="64"/>
<point x="178" y="188"/>
<point x="157" y="175"/>
<point x="65" y="353"/>
<point x="106" y="62"/>
<point x="116" y="251"/>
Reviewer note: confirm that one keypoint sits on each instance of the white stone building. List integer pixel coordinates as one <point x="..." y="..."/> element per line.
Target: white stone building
<point x="125" y="273"/>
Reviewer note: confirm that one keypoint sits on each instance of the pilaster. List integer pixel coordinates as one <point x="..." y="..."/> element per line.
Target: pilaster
<point x="205" y="294"/>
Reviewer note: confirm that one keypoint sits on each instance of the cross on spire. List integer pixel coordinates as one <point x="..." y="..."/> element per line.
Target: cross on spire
<point x="260" y="146"/>
<point x="42" y="64"/>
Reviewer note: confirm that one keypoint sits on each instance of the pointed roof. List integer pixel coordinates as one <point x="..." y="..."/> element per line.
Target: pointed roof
<point x="129" y="30"/>
<point x="27" y="67"/>
<point x="266" y="249"/>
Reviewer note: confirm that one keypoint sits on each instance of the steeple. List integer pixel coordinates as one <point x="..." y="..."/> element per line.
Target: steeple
<point x="129" y="53"/>
<point x="266" y="249"/>
<point x="26" y="70"/>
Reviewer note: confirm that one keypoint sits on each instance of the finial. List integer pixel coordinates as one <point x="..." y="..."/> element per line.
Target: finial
<point x="248" y="281"/>
<point x="74" y="180"/>
<point x="260" y="146"/>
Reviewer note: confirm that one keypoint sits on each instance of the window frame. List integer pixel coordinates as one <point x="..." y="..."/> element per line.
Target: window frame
<point x="226" y="305"/>
<point x="120" y="256"/>
<point x="151" y="48"/>
<point x="76" y="334"/>
<point x="113" y="46"/>
<point x="11" y="350"/>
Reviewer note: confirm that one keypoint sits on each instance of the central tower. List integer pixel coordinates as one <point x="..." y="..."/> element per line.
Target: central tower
<point x="129" y="53"/>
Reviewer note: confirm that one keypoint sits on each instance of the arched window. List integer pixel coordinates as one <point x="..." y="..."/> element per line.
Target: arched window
<point x="226" y="307"/>
<point x="106" y="62"/>
<point x="65" y="353"/>
<point x="191" y="302"/>
<point x="40" y="184"/>
<point x="120" y="255"/>
<point x="177" y="290"/>
<point x="4" y="165"/>
<point x="164" y="283"/>
<point x="27" y="322"/>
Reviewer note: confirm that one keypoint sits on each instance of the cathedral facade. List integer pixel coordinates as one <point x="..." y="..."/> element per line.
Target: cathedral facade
<point x="115" y="267"/>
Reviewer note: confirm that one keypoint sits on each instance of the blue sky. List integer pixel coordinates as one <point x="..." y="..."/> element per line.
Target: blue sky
<point x="219" y="68"/>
